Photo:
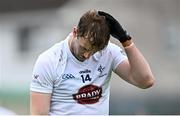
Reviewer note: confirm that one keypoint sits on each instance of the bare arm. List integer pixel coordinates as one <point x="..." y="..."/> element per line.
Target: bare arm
<point x="136" y="69"/>
<point x="39" y="103"/>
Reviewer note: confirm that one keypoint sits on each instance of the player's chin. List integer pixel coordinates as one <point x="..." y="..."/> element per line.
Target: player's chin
<point x="82" y="59"/>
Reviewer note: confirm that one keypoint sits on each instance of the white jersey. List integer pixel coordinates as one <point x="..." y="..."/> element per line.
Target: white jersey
<point x="76" y="87"/>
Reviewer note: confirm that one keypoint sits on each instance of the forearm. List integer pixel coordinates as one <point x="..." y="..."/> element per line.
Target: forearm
<point x="139" y="67"/>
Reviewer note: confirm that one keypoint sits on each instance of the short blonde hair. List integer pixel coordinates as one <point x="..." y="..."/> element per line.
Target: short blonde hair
<point x="95" y="28"/>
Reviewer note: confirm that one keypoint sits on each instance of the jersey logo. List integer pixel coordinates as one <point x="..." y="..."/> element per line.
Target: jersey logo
<point x="88" y="94"/>
<point x="36" y="76"/>
<point x="85" y="71"/>
<point x="67" y="76"/>
<point x="101" y="69"/>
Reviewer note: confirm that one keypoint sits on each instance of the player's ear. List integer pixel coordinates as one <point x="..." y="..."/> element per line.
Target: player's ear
<point x="74" y="31"/>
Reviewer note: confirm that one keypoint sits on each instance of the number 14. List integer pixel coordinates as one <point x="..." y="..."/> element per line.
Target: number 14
<point x="86" y="78"/>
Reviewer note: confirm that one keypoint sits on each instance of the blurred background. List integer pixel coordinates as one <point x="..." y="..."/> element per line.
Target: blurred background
<point x="28" y="27"/>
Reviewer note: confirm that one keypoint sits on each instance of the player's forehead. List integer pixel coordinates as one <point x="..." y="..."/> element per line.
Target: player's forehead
<point x="87" y="43"/>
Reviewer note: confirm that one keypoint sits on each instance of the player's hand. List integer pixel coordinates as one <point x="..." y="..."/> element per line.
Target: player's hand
<point x="116" y="29"/>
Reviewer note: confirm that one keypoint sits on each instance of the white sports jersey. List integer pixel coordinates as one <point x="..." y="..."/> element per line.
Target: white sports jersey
<point x="76" y="87"/>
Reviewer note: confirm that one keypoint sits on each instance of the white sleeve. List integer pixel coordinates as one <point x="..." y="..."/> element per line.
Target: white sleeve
<point x="42" y="78"/>
<point x="118" y="55"/>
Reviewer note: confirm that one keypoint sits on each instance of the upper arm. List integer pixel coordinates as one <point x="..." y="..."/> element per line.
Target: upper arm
<point x="40" y="103"/>
<point x="123" y="70"/>
<point x="135" y="69"/>
<point x="120" y="64"/>
<point x="41" y="86"/>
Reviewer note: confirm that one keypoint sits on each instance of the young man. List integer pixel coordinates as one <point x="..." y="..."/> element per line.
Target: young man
<point x="72" y="77"/>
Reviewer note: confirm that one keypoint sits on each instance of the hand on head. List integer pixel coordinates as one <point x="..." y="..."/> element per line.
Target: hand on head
<point x="115" y="27"/>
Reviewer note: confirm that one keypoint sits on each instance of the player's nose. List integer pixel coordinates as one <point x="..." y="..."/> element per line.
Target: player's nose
<point x="87" y="55"/>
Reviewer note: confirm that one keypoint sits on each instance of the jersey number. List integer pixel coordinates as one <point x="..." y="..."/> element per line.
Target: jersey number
<point x="86" y="78"/>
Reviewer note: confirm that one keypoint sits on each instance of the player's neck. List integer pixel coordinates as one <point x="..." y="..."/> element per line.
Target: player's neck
<point x="70" y="43"/>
